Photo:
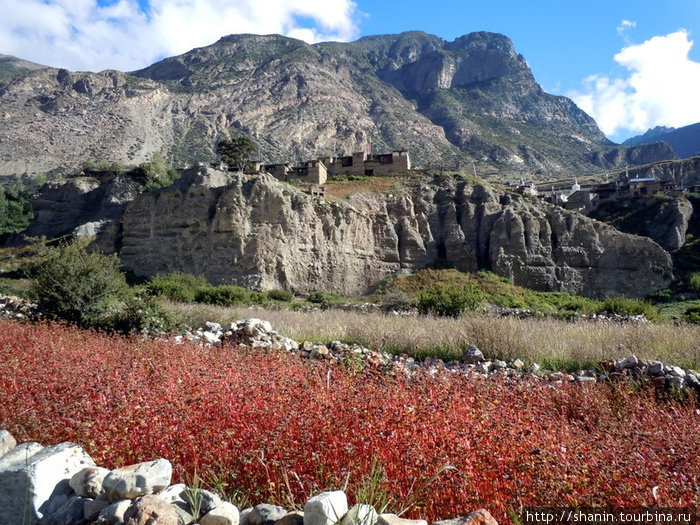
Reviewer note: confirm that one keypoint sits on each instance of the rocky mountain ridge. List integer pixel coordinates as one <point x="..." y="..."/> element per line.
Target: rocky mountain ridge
<point x="449" y="103"/>
<point x="685" y="141"/>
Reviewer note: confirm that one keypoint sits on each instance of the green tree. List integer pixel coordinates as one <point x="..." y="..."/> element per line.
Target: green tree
<point x="237" y="152"/>
<point x="79" y="286"/>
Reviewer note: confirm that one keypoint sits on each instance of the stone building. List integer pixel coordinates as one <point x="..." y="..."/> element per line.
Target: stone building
<point x="313" y="172"/>
<point x="398" y="162"/>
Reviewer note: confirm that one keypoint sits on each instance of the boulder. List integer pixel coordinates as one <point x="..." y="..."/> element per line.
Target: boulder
<point x="7" y="442"/>
<point x="292" y="518"/>
<point x="472" y="355"/>
<point x="265" y="514"/>
<point x="113" y="514"/>
<point x="151" y="510"/>
<point x="393" y="519"/>
<point x="88" y="482"/>
<point x="224" y="514"/>
<point x="478" y="517"/>
<point x="326" y="508"/>
<point x="34" y="480"/>
<point x="72" y="512"/>
<point x="141" y="479"/>
<point x="93" y="507"/>
<point x="360" y="514"/>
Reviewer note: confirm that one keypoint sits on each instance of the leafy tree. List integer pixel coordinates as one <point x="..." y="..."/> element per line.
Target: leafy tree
<point x="79" y="286"/>
<point x="237" y="152"/>
<point x="15" y="210"/>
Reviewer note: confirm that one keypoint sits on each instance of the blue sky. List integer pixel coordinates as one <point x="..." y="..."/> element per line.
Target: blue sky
<point x="632" y="65"/>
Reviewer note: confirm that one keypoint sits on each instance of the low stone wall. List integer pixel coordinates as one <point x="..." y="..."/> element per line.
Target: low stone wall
<point x="256" y="333"/>
<point x="62" y="485"/>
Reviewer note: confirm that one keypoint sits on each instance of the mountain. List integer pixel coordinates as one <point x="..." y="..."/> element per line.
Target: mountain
<point x="449" y="103"/>
<point x="685" y="141"/>
<point x="10" y="65"/>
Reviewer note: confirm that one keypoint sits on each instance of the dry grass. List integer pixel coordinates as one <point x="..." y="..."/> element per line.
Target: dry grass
<point x="557" y="344"/>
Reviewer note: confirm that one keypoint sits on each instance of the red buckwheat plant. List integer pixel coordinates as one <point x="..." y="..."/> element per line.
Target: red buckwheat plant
<point x="277" y="428"/>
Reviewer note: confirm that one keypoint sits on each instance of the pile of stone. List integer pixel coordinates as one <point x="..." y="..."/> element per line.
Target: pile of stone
<point x="256" y="333"/>
<point x="61" y="485"/>
<point x="19" y="308"/>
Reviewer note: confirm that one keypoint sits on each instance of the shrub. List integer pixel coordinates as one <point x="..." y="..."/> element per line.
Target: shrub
<point x="692" y="314"/>
<point x="228" y="295"/>
<point x="180" y="287"/>
<point x="79" y="286"/>
<point x="662" y="296"/>
<point x="325" y="299"/>
<point x="280" y="295"/>
<point x="449" y="300"/>
<point x="397" y="300"/>
<point x="157" y="173"/>
<point x="625" y="306"/>
<point x="143" y="313"/>
<point x="694" y="281"/>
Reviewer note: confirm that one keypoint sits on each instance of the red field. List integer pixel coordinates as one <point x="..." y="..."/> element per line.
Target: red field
<point x="268" y="423"/>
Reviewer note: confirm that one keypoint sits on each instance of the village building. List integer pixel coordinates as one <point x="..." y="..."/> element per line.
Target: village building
<point x="313" y="172"/>
<point x="398" y="162"/>
<point x="316" y="172"/>
<point x="644" y="187"/>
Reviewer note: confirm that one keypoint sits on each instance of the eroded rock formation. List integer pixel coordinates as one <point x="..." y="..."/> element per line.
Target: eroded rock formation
<point x="263" y="234"/>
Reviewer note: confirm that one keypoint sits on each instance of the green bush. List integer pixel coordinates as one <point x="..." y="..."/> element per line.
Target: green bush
<point x="143" y="313"/>
<point x="692" y="315"/>
<point x="449" y="300"/>
<point x="179" y="287"/>
<point x="325" y="299"/>
<point x="228" y="295"/>
<point x="694" y="281"/>
<point x="280" y="295"/>
<point x="625" y="306"/>
<point x="397" y="300"/>
<point x="662" y="296"/>
<point x="79" y="286"/>
<point x="157" y="173"/>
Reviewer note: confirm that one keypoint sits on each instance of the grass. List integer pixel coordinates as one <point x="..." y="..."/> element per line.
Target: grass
<point x="496" y="290"/>
<point x="549" y="342"/>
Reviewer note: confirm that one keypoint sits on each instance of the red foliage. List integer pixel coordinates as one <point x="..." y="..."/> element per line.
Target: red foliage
<point x="265" y="423"/>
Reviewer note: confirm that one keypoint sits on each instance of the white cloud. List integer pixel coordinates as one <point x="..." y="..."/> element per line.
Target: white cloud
<point x="624" y="26"/>
<point x="660" y="87"/>
<point x="82" y="35"/>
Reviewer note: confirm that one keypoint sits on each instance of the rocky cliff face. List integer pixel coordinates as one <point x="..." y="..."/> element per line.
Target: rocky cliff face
<point x="447" y="102"/>
<point x="264" y="234"/>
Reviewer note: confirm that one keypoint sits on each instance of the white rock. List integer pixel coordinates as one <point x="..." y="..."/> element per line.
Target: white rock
<point x="213" y="327"/>
<point x="34" y="480"/>
<point x="7" y="442"/>
<point x="114" y="514"/>
<point x="393" y="519"/>
<point x="88" y="482"/>
<point x="360" y="514"/>
<point x="172" y="493"/>
<point x="326" y="508"/>
<point x="211" y="337"/>
<point x="224" y="514"/>
<point x="141" y="479"/>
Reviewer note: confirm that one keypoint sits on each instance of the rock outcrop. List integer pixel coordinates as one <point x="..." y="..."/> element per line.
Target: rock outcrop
<point x="80" y="205"/>
<point x="259" y="233"/>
